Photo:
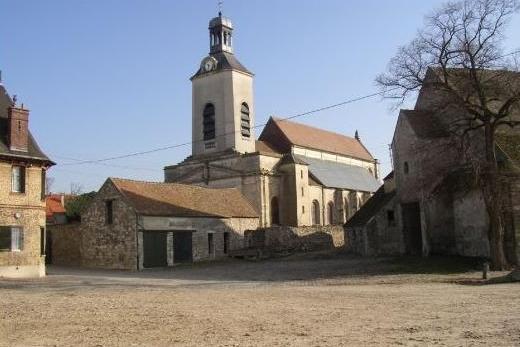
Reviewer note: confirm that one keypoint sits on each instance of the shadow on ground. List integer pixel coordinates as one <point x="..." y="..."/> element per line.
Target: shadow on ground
<point x="299" y="267"/>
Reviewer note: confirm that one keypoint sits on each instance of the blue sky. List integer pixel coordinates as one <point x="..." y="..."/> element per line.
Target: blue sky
<point x="108" y="77"/>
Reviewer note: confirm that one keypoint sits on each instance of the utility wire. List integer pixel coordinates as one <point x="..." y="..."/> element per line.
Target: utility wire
<point x="159" y="149"/>
<point x="325" y="108"/>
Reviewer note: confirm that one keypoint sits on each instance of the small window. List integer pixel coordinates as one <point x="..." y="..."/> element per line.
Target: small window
<point x="18" y="179"/>
<point x="245" y="121"/>
<point x="390" y="216"/>
<point x="209" y="122"/>
<point x="301" y="174"/>
<point x="11" y="239"/>
<point x="406" y="167"/>
<point x="303" y="209"/>
<point x="109" y="204"/>
<point x="303" y="192"/>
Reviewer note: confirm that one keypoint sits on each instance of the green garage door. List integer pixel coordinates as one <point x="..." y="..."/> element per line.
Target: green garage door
<point x="155" y="249"/>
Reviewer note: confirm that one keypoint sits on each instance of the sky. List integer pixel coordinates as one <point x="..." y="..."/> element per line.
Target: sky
<point x="104" y="78"/>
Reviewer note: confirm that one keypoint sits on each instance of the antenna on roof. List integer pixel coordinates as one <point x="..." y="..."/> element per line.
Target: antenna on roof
<point x="0" y="77"/>
<point x="357" y="135"/>
<point x="15" y="99"/>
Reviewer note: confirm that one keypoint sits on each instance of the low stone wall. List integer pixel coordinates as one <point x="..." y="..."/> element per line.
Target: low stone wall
<point x="281" y="238"/>
<point x="65" y="248"/>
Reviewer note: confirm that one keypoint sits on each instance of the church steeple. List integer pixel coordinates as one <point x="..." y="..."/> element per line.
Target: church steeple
<point x="220" y="34"/>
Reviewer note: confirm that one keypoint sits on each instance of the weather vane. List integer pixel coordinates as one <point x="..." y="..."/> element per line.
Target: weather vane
<point x="220" y="5"/>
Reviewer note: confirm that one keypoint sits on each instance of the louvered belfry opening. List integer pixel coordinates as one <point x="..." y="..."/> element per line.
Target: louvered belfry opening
<point x="209" y="122"/>
<point x="245" y="121"/>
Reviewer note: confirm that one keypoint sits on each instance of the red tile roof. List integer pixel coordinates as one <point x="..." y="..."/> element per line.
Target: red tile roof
<point x="314" y="138"/>
<point x="181" y="200"/>
<point x="53" y="205"/>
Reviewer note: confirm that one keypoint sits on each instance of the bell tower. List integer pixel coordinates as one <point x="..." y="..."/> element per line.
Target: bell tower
<point x="222" y="97"/>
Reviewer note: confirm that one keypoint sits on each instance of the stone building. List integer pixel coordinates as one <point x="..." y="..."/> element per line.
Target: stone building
<point x="294" y="174"/>
<point x="134" y="225"/>
<point x="438" y="205"/>
<point x="23" y="168"/>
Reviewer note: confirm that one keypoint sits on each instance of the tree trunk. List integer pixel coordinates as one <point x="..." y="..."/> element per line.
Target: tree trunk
<point x="493" y="201"/>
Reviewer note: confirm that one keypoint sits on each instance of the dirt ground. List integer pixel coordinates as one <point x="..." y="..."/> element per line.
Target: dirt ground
<point x="312" y="300"/>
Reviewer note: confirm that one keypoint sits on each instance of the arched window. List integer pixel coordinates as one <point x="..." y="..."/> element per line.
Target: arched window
<point x="209" y="122"/>
<point x="315" y="212"/>
<point x="275" y="211"/>
<point x="245" y="120"/>
<point x="347" y="214"/>
<point x="330" y="213"/>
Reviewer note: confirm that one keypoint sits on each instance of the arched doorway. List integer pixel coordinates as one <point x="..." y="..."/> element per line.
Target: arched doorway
<point x="275" y="211"/>
<point x="315" y="212"/>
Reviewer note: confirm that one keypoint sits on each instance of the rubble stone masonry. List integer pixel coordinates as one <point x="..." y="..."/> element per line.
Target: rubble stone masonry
<point x="26" y="210"/>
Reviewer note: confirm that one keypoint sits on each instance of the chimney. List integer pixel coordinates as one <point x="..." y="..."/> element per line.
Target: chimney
<point x="356" y="136"/>
<point x="18" y="128"/>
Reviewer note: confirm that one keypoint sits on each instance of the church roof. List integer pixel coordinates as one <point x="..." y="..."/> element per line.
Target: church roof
<point x="302" y="135"/>
<point x="337" y="175"/>
<point x="34" y="152"/>
<point x="181" y="200"/>
<point x="225" y="61"/>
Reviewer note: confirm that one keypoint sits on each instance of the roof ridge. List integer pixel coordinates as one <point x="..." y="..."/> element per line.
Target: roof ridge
<point x="170" y="184"/>
<point x="276" y="119"/>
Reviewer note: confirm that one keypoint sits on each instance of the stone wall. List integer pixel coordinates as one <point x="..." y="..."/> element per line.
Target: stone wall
<point x="201" y="228"/>
<point x="281" y="238"/>
<point x="65" y="247"/>
<point x="379" y="236"/>
<point x="110" y="246"/>
<point x="26" y="210"/>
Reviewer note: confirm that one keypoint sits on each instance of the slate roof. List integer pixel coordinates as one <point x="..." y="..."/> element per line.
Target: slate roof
<point x="314" y="138"/>
<point x="378" y="201"/>
<point x="425" y="124"/>
<point x="181" y="200"/>
<point x="337" y="175"/>
<point x="226" y="61"/>
<point x="34" y="152"/>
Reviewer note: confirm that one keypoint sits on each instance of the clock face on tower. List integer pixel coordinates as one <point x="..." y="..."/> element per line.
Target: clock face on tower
<point x="209" y="64"/>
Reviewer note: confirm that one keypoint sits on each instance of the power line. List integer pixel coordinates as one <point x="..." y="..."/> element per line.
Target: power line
<point x="159" y="149"/>
<point x="321" y="109"/>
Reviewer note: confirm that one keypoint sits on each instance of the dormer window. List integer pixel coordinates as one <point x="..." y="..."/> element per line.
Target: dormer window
<point x="18" y="179"/>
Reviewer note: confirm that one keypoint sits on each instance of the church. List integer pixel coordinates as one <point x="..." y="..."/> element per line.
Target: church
<point x="293" y="174"/>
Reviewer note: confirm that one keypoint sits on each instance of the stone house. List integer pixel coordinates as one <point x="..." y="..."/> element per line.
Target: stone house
<point x="23" y="168"/>
<point x="134" y="225"/>
<point x="294" y="174"/>
<point x="439" y="207"/>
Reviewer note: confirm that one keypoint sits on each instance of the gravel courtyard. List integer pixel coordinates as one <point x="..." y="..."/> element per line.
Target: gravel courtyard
<point x="311" y="300"/>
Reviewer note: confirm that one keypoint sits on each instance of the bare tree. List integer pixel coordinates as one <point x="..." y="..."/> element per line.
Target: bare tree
<point x="76" y="188"/>
<point x="459" y="56"/>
